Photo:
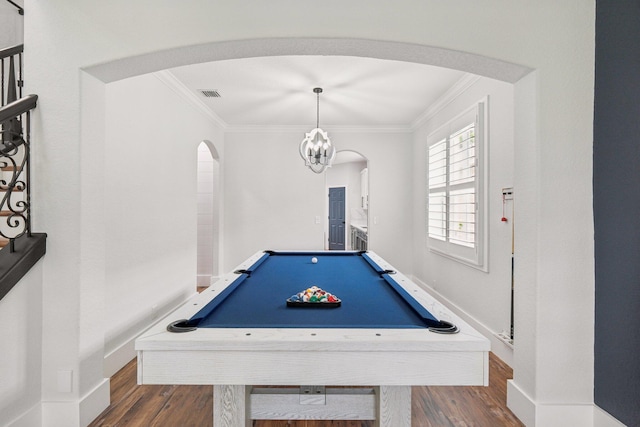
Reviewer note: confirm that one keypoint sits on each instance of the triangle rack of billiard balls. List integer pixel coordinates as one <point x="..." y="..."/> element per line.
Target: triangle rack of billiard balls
<point x="313" y="297"/>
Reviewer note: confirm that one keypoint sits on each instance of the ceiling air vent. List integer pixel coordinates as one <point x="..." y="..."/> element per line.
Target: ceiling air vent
<point x="210" y="93"/>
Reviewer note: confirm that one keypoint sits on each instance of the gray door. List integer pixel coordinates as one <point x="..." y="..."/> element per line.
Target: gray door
<point x="336" y="218"/>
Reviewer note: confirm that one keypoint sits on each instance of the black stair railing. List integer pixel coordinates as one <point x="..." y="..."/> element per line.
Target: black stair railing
<point x="25" y="248"/>
<point x="17" y="6"/>
<point x="15" y="144"/>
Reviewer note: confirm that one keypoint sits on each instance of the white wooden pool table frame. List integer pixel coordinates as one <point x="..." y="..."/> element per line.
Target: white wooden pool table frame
<point x="390" y="361"/>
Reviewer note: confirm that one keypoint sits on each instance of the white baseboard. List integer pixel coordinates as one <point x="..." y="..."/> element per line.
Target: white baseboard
<point x="204" y="280"/>
<point x="534" y="414"/>
<point x="499" y="347"/>
<point x="72" y="413"/>
<point x="119" y="357"/>
<point x="33" y="417"/>
<point x="56" y="414"/>
<point x="521" y="404"/>
<point x="601" y="418"/>
<point x="559" y="415"/>
<point x="76" y="413"/>
<point x="94" y="402"/>
<point x="125" y="352"/>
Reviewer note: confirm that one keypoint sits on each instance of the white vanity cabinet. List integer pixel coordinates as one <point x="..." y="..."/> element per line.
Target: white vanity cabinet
<point x="359" y="238"/>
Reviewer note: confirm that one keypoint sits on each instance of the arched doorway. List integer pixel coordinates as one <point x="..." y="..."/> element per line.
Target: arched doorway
<point x="208" y="213"/>
<point x="421" y="54"/>
<point x="348" y="221"/>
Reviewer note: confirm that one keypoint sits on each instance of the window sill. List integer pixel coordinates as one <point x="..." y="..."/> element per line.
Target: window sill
<point x="482" y="266"/>
<point x="14" y="265"/>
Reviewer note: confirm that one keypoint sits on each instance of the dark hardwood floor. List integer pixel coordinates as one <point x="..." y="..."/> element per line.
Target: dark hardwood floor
<point x="192" y="406"/>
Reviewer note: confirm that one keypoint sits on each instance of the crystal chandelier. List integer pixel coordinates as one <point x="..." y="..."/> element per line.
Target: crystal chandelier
<point x="316" y="148"/>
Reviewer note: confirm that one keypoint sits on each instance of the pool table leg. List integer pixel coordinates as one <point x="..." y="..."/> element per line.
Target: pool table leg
<point x="230" y="406"/>
<point x="394" y="406"/>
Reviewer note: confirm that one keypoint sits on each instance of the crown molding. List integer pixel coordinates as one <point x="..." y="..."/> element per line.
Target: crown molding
<point x="458" y="88"/>
<point x="330" y="129"/>
<point x="171" y="81"/>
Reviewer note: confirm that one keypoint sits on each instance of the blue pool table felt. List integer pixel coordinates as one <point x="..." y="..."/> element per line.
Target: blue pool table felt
<point x="370" y="297"/>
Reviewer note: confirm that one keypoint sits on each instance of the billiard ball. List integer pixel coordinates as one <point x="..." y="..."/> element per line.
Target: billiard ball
<point x="314" y="260"/>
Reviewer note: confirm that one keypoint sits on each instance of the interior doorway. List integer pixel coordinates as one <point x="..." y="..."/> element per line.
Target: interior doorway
<point x="208" y="214"/>
<point x="337" y="219"/>
<point x="350" y="171"/>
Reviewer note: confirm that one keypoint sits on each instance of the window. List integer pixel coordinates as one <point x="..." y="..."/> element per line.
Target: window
<point x="456" y="179"/>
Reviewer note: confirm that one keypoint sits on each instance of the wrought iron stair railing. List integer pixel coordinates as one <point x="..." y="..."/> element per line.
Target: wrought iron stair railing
<point x="15" y="142"/>
<point x="22" y="248"/>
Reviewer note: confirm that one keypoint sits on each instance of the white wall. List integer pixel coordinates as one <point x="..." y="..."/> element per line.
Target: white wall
<point x="390" y="190"/>
<point x="150" y="203"/>
<point x="272" y="200"/>
<point x="75" y="47"/>
<point x="483" y="295"/>
<point x="21" y="308"/>
<point x="21" y="355"/>
<point x="11" y="23"/>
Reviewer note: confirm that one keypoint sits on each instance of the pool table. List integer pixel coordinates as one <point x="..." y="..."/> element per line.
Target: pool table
<point x="354" y="359"/>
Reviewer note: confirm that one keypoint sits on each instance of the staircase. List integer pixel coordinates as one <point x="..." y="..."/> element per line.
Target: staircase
<point x="15" y="115"/>
<point x="20" y="248"/>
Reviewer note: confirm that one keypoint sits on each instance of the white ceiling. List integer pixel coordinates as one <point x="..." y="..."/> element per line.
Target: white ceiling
<point x="278" y="90"/>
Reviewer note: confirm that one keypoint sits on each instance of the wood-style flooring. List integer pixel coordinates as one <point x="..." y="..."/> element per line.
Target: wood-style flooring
<point x="192" y="406"/>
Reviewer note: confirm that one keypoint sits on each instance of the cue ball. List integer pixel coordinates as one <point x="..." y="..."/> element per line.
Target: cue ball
<point x="314" y="260"/>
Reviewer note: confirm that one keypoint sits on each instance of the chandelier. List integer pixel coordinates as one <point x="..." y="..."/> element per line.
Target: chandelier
<point x="316" y="148"/>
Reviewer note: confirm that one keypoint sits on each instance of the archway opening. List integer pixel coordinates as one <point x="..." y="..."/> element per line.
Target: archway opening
<point x="411" y="53"/>
<point x="348" y="209"/>
<point x="208" y="178"/>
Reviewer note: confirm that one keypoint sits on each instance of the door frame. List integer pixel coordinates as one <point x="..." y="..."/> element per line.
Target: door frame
<point x="347" y="241"/>
<point x="217" y="238"/>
